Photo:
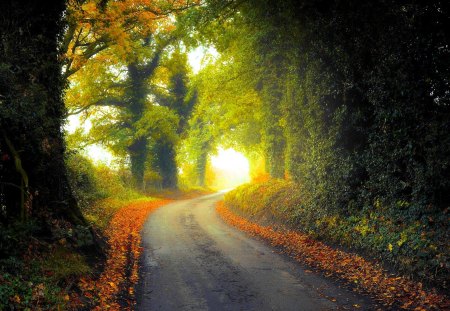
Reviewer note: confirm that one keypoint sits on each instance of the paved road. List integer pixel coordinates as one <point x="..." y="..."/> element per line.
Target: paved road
<point x="194" y="261"/>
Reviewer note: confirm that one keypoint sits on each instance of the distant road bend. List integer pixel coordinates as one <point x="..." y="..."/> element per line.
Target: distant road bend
<point x="194" y="261"/>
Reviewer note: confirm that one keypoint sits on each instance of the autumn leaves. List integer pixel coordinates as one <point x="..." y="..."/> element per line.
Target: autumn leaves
<point x="114" y="289"/>
<point x="364" y="276"/>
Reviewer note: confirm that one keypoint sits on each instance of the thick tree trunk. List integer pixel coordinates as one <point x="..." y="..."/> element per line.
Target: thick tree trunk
<point x="167" y="165"/>
<point x="138" y="150"/>
<point x="138" y="157"/>
<point x="201" y="168"/>
<point x="32" y="111"/>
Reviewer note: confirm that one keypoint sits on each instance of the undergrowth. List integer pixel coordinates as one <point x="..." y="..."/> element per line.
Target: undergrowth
<point x="42" y="260"/>
<point x="37" y="271"/>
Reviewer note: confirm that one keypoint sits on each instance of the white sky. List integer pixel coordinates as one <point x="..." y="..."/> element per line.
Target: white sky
<point x="231" y="169"/>
<point x="201" y="56"/>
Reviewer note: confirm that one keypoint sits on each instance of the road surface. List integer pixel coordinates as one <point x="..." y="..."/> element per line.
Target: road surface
<point x="192" y="260"/>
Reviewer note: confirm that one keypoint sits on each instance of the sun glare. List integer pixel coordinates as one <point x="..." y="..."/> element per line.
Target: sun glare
<point x="100" y="155"/>
<point x="201" y="56"/>
<point x="231" y="168"/>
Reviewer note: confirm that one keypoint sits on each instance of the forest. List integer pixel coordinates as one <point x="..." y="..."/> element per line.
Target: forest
<point x="340" y="108"/>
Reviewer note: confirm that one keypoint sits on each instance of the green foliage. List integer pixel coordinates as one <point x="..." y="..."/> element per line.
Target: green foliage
<point x="82" y="179"/>
<point x="355" y="109"/>
<point x="138" y="108"/>
<point x="194" y="151"/>
<point x="62" y="264"/>
<point x="99" y="190"/>
<point x="277" y="201"/>
<point x="29" y="294"/>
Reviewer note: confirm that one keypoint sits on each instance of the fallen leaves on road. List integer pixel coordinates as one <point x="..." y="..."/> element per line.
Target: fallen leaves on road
<point x="113" y="289"/>
<point x="365" y="276"/>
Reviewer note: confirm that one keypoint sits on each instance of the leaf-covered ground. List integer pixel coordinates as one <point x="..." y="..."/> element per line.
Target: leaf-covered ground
<point x="114" y="288"/>
<point x="365" y="276"/>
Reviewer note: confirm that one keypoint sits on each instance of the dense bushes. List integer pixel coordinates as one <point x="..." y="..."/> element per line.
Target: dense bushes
<point x="418" y="247"/>
<point x="355" y="111"/>
<point x="354" y="101"/>
<point x="360" y="91"/>
<point x="99" y="190"/>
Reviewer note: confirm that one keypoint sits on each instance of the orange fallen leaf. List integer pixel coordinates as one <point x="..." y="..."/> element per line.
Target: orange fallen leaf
<point x="124" y="252"/>
<point x="366" y="276"/>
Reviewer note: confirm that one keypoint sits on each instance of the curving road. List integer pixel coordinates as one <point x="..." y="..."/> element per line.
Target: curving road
<point x="194" y="261"/>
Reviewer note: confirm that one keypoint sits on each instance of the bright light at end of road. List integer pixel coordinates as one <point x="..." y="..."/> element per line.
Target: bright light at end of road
<point x="231" y="167"/>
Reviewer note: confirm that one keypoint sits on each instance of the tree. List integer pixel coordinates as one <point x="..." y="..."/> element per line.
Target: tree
<point x="354" y="109"/>
<point x="93" y="27"/>
<point x="343" y="106"/>
<point x="131" y="118"/>
<point x="148" y="103"/>
<point x="178" y="98"/>
<point x="34" y="180"/>
<point x="194" y="150"/>
<point x="137" y="40"/>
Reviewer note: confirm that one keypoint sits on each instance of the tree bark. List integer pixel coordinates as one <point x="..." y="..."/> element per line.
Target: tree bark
<point x="138" y="158"/>
<point x="32" y="111"/>
<point x="166" y="164"/>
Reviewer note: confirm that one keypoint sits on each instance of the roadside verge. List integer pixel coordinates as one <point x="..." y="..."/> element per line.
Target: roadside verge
<point x="364" y="276"/>
<point x="114" y="288"/>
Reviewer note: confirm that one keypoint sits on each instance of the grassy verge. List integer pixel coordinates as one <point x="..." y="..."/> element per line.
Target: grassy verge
<point x="413" y="247"/>
<point x="363" y="275"/>
<point x="50" y="264"/>
<point x="42" y="261"/>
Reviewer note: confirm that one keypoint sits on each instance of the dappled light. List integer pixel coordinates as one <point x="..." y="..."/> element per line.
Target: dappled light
<point x="229" y="168"/>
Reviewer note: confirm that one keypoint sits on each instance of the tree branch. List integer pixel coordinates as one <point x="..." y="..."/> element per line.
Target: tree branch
<point x="150" y="67"/>
<point x="104" y="102"/>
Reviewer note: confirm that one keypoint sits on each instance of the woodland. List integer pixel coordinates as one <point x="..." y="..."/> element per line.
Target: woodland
<point x="341" y="108"/>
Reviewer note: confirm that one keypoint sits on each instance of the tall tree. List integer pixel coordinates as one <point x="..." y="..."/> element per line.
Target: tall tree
<point x="118" y="97"/>
<point x="180" y="99"/>
<point x="134" y="34"/>
<point x="33" y="175"/>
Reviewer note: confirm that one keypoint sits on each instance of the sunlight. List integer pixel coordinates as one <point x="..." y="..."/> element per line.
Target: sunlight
<point x="201" y="56"/>
<point x="231" y="168"/>
<point x="96" y="152"/>
<point x="100" y="155"/>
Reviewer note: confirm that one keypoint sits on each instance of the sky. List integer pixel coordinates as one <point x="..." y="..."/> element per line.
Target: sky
<point x="201" y="56"/>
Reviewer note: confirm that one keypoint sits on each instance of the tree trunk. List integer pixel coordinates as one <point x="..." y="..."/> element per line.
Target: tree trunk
<point x="201" y="168"/>
<point x="138" y="157"/>
<point x="167" y="164"/>
<point x="32" y="110"/>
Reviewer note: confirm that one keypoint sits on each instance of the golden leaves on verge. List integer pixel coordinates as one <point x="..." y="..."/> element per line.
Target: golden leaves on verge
<point x="366" y="276"/>
<point x="120" y="274"/>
